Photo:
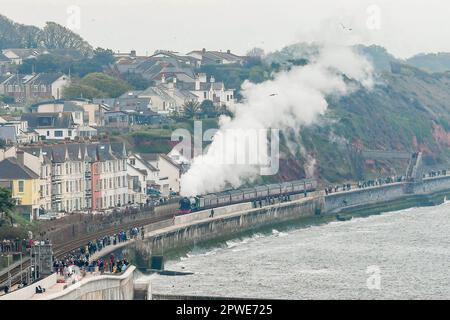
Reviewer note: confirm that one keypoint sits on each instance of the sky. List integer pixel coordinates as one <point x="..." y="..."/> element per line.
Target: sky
<point x="404" y="27"/>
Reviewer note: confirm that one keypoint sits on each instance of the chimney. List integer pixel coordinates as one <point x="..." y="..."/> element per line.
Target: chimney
<point x="133" y="53"/>
<point x="228" y="51"/>
<point x="20" y="157"/>
<point x="163" y="78"/>
<point x="203" y="50"/>
<point x="212" y="79"/>
<point x="174" y="80"/>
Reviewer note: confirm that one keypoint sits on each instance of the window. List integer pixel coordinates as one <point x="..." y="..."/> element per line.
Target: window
<point x="204" y="95"/>
<point x="58" y="133"/>
<point x="69" y="133"/>
<point x="21" y="186"/>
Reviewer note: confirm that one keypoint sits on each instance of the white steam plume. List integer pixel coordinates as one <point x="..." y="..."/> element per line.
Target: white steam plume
<point x="291" y="99"/>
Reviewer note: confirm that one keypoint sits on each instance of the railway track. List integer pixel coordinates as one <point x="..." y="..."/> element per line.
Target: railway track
<point x="60" y="250"/>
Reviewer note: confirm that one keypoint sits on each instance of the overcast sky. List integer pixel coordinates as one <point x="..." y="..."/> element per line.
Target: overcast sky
<point x="404" y="27"/>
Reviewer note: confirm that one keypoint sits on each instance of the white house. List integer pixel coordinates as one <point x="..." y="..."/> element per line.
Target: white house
<point x="169" y="172"/>
<point x="143" y="178"/>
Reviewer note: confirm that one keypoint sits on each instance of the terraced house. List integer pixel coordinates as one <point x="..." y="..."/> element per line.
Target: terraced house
<point x="81" y="176"/>
<point x="24" y="87"/>
<point x="24" y="186"/>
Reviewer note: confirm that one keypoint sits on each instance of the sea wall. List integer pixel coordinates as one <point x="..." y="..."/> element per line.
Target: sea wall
<point x="196" y="227"/>
<point x="435" y="184"/>
<point x="199" y="228"/>
<point x="179" y="220"/>
<point x="104" y="287"/>
<point x="337" y="201"/>
<point x="27" y="292"/>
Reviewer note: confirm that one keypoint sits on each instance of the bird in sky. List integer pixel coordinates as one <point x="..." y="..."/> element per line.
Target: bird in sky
<point x="273" y="94"/>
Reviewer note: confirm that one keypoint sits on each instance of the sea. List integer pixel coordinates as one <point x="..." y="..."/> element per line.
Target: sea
<point x="395" y="255"/>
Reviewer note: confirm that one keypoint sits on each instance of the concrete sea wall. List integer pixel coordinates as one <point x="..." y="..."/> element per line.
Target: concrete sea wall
<point x="27" y="292"/>
<point x="104" y="287"/>
<point x="233" y="219"/>
<point x="199" y="227"/>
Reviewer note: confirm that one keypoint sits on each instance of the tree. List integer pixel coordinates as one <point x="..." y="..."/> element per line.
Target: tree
<point x="137" y="81"/>
<point x="55" y="36"/>
<point x="46" y="63"/>
<point x="191" y="109"/>
<point x="111" y="86"/>
<point x="255" y="52"/>
<point x="6" y="204"/>
<point x="75" y="91"/>
<point x="103" y="57"/>
<point x="208" y="108"/>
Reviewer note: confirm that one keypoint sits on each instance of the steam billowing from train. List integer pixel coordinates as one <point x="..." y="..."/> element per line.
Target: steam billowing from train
<point x="291" y="99"/>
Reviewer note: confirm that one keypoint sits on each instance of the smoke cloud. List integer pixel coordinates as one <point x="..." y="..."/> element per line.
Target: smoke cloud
<point x="293" y="98"/>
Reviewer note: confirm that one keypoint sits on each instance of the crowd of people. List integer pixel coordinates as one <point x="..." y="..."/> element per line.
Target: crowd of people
<point x="436" y="173"/>
<point x="272" y="200"/>
<point x="17" y="245"/>
<point x="81" y="257"/>
<point x="364" y="184"/>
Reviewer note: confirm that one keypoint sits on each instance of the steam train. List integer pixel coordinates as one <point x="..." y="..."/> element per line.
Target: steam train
<point x="212" y="200"/>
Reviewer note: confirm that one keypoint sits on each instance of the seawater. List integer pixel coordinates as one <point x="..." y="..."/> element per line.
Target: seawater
<point x="396" y="255"/>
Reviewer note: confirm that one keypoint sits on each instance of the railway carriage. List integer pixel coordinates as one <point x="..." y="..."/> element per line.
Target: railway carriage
<point x="262" y="191"/>
<point x="286" y="188"/>
<point x="298" y="186"/>
<point x="223" y="198"/>
<point x="236" y="196"/>
<point x="249" y="193"/>
<point x="274" y="189"/>
<point x="207" y="201"/>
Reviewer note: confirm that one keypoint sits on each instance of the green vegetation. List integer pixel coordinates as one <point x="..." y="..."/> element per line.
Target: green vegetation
<point x="96" y="85"/>
<point x="52" y="36"/>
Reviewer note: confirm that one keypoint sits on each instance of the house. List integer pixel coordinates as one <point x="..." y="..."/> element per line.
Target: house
<point x="35" y="86"/>
<point x="159" y="99"/>
<point x="14" y="130"/>
<point x="81" y="176"/>
<point x="153" y="68"/>
<point x="17" y="56"/>
<point x="143" y="179"/>
<point x="182" y="59"/>
<point x="84" y="112"/>
<point x="48" y="85"/>
<point x="211" y="90"/>
<point x="23" y="184"/>
<point x="216" y="57"/>
<point x="17" y="86"/>
<point x="52" y="125"/>
<point x="169" y="172"/>
<point x="118" y="119"/>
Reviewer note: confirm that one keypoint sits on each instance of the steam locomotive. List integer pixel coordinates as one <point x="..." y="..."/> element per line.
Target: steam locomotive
<point x="212" y="200"/>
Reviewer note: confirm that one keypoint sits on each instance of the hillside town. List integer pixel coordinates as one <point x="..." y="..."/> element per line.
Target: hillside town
<point x="56" y="157"/>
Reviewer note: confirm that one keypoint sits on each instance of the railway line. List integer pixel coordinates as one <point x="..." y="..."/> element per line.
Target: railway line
<point x="60" y="250"/>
